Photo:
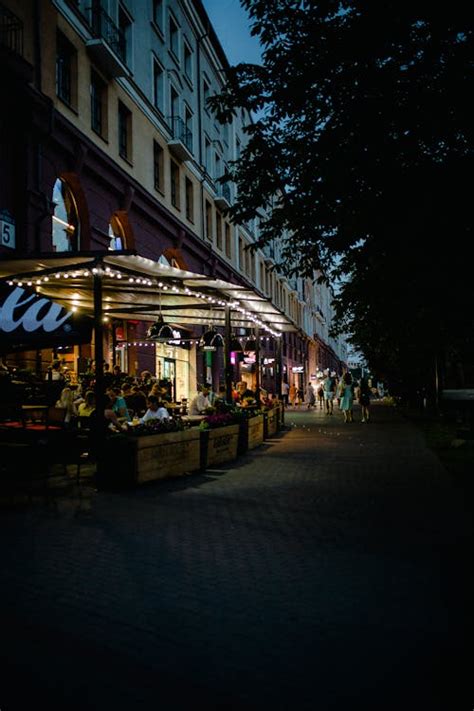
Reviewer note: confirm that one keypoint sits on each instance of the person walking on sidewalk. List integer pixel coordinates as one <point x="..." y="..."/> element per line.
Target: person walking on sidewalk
<point x="329" y="386"/>
<point x="292" y="394"/>
<point x="346" y="393"/>
<point x="364" y="398"/>
<point x="310" y="396"/>
<point x="320" y="396"/>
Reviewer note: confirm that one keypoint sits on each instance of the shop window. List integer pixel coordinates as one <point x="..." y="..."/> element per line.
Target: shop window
<point x="66" y="71"/>
<point x="116" y="234"/>
<point x="65" y="232"/>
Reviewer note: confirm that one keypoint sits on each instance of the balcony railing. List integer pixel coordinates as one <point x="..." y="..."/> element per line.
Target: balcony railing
<point x="181" y="143"/>
<point x="11" y="31"/>
<point x="223" y="195"/>
<point x="103" y="27"/>
<point x="108" y="46"/>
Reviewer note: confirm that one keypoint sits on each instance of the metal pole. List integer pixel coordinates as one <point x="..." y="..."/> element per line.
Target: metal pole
<point x="257" y="364"/>
<point x="227" y="364"/>
<point x="99" y="368"/>
<point x="278" y="367"/>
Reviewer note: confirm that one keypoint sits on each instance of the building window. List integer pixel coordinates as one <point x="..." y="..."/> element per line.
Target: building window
<point x="174" y="102"/>
<point x="218" y="166"/>
<point x="158" y="13"/>
<point x="65" y="232"/>
<point x="158" y="87"/>
<point x="241" y="254"/>
<point x="175" y="196"/>
<point x="66" y="70"/>
<point x="116" y="235"/>
<point x="188" y="125"/>
<point x="208" y="155"/>
<point x="125" y="27"/>
<point x="98" y="105"/>
<point x="158" y="167"/>
<point x="206" y="92"/>
<point x="188" y="62"/>
<point x="218" y="230"/>
<point x="174" y="38"/>
<point x="189" y="194"/>
<point x="228" y="243"/>
<point x="124" y="131"/>
<point x="209" y="234"/>
<point x="262" y="276"/>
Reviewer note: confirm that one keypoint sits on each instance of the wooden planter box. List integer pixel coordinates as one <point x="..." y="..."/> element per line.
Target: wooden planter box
<point x="127" y="461"/>
<point x="167" y="455"/>
<point x="255" y="431"/>
<point x="279" y="416"/>
<point x="219" y="445"/>
<point x="251" y="433"/>
<point x="272" y="421"/>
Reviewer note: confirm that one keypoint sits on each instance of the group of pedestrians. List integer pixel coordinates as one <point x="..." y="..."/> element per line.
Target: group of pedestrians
<point x="344" y="390"/>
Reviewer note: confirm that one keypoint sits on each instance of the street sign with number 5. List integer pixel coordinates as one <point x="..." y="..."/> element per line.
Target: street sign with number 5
<point x="7" y="231"/>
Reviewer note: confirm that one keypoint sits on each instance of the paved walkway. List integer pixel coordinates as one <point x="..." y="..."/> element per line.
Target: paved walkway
<point x="325" y="571"/>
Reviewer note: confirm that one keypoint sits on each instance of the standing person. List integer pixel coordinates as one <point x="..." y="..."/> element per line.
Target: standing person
<point x="300" y="396"/>
<point x="364" y="398"/>
<point x="346" y="392"/>
<point x="310" y="396"/>
<point x="320" y="396"/>
<point x="329" y="386"/>
<point x="292" y="394"/>
<point x="285" y="389"/>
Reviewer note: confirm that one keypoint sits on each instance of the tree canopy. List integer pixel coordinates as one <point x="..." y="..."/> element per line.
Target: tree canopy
<point x="362" y="146"/>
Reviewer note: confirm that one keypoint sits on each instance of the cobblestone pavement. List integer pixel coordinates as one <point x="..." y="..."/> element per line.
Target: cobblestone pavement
<point x="327" y="570"/>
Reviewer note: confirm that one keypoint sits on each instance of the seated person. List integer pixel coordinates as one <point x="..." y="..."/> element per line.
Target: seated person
<point x="199" y="403"/>
<point x="66" y="401"/>
<point x="87" y="407"/>
<point x="119" y="406"/>
<point x="111" y="418"/>
<point x="155" y="411"/>
<point x="220" y="401"/>
<point x="243" y="392"/>
<point x="134" y="398"/>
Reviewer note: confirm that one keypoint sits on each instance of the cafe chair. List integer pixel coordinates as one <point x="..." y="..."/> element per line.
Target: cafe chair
<point x="56" y="418"/>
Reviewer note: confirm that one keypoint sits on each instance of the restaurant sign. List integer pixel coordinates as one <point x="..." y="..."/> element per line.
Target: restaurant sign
<point x="31" y="320"/>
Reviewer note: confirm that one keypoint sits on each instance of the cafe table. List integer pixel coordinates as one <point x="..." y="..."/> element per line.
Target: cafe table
<point x="34" y="412"/>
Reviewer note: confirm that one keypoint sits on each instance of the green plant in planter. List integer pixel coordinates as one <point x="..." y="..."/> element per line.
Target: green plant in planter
<point x="157" y="426"/>
<point x="213" y="421"/>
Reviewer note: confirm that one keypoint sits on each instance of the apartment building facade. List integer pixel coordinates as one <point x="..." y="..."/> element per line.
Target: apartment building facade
<point x="107" y="144"/>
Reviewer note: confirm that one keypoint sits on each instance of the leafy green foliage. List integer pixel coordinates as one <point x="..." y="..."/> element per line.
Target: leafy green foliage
<point x="362" y="147"/>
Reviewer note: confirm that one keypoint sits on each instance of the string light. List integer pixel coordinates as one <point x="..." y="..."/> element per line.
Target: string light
<point x="233" y="304"/>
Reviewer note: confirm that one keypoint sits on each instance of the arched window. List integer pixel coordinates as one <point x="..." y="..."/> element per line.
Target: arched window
<point x="116" y="234"/>
<point x="65" y="235"/>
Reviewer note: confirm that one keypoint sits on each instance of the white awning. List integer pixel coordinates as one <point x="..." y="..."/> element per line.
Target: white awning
<point x="135" y="287"/>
